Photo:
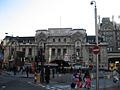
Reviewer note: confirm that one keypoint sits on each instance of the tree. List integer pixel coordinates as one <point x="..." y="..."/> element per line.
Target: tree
<point x="1" y="51"/>
<point x="1" y="55"/>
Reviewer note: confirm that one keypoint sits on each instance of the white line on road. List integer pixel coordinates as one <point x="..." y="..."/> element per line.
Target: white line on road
<point x="3" y="87"/>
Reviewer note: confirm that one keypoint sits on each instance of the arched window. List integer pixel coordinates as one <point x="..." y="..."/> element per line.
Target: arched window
<point x="30" y="51"/>
<point x="64" y="39"/>
<point x="77" y="44"/>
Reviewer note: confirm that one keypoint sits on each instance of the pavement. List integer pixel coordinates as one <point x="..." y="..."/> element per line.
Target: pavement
<point x="112" y="88"/>
<point x="60" y="80"/>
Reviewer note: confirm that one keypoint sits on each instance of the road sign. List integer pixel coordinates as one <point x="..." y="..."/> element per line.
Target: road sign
<point x="96" y="49"/>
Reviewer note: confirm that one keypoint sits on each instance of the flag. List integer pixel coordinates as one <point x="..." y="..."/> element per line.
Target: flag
<point x="1" y="56"/>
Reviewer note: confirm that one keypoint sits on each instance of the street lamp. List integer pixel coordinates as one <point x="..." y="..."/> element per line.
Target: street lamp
<point x="96" y="32"/>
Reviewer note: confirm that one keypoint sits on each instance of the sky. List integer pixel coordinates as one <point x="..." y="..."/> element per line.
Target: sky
<point x="24" y="17"/>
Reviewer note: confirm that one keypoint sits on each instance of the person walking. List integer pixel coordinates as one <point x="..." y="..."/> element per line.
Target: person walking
<point x="53" y="73"/>
<point x="87" y="79"/>
<point x="47" y="75"/>
<point x="77" y="79"/>
<point x="115" y="76"/>
<point x="27" y="71"/>
<point x="14" y="69"/>
<point x="23" y="69"/>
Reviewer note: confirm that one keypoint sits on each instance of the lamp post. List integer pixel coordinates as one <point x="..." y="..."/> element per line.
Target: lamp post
<point x="96" y="32"/>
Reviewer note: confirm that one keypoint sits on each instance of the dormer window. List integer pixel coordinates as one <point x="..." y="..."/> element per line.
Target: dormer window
<point x="24" y="42"/>
<point x="30" y="42"/>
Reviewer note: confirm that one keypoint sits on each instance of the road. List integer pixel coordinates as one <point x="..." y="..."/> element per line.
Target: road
<point x="8" y="82"/>
<point x="11" y="82"/>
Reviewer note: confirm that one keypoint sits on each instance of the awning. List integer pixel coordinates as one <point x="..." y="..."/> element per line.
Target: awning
<point x="61" y="63"/>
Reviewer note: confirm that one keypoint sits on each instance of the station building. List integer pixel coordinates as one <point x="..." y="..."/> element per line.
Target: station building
<point x="71" y="45"/>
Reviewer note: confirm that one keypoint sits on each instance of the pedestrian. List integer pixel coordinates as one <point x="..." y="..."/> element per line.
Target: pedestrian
<point x="115" y="75"/>
<point x="35" y="77"/>
<point x="73" y="84"/>
<point x="27" y="71"/>
<point x="53" y="73"/>
<point x="77" y="79"/>
<point x="23" y="69"/>
<point x="47" y="74"/>
<point x="87" y="79"/>
<point x="14" y="69"/>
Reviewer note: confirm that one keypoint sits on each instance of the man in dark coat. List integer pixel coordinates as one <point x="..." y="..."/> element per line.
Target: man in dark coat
<point x="27" y="71"/>
<point x="47" y="74"/>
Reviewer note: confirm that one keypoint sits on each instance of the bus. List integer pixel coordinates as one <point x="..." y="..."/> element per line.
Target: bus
<point x="113" y="63"/>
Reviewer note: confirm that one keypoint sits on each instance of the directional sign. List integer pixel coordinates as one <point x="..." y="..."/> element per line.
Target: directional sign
<point x="96" y="49"/>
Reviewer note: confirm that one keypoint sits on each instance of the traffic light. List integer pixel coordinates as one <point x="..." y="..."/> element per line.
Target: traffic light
<point x="41" y="55"/>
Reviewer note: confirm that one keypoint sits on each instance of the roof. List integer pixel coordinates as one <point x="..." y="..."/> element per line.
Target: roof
<point x="19" y="38"/>
<point x="92" y="39"/>
<point x="60" y="31"/>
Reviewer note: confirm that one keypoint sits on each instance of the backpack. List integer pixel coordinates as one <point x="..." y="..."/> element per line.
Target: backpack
<point x="73" y="85"/>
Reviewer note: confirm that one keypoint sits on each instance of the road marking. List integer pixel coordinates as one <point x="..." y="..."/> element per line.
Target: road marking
<point x="92" y="86"/>
<point x="3" y="87"/>
<point x="56" y="87"/>
<point x="41" y="85"/>
<point x="36" y="84"/>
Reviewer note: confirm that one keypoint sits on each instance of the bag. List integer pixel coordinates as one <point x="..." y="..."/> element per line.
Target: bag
<point x="73" y="85"/>
<point x="80" y="84"/>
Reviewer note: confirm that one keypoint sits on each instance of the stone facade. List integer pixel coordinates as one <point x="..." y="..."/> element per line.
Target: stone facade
<point x="72" y="45"/>
<point x="110" y="32"/>
<point x="61" y="43"/>
<point x="68" y="44"/>
<point x="24" y="46"/>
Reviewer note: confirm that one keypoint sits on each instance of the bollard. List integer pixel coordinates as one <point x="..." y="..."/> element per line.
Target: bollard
<point x="92" y="76"/>
<point x="108" y="76"/>
<point x="38" y="77"/>
<point x="35" y="77"/>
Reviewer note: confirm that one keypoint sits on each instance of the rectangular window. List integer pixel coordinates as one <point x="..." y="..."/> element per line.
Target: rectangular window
<point x="30" y="51"/>
<point x="90" y="50"/>
<point x="53" y="52"/>
<point x="59" y="52"/>
<point x="64" y="51"/>
<point x="24" y="50"/>
<point x="12" y="51"/>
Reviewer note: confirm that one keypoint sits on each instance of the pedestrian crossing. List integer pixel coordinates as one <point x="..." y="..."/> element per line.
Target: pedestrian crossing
<point x="57" y="87"/>
<point x="52" y="87"/>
